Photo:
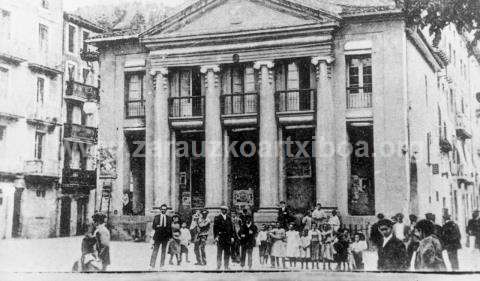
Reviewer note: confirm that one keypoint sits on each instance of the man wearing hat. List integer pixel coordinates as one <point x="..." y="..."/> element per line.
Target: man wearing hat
<point x="248" y="233"/>
<point x="162" y="224"/>
<point x="392" y="254"/>
<point x="103" y="239"/>
<point x="202" y="229"/>
<point x="438" y="228"/>
<point x="450" y="237"/>
<point x="224" y="236"/>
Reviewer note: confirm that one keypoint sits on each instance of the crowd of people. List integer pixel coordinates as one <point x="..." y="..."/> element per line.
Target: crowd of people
<point x="314" y="240"/>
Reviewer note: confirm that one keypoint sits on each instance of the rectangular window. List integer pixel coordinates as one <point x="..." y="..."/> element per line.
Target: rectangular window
<point x="71" y="38"/>
<point x="43" y="38"/>
<point x="40" y="90"/>
<point x="45" y="4"/>
<point x="85" y="37"/>
<point x="359" y="81"/>
<point x="134" y="95"/>
<point x="71" y="71"/>
<point x="39" y="137"/>
<point x="85" y="73"/>
<point x="5" y="25"/>
<point x="4" y="87"/>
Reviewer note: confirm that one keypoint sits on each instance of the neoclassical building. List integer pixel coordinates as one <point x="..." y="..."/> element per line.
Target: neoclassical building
<point x="239" y="103"/>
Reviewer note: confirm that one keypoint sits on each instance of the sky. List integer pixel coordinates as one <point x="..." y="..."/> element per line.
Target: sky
<point x="70" y="5"/>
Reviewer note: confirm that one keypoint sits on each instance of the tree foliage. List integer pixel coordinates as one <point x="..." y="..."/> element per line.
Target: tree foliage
<point x="437" y="14"/>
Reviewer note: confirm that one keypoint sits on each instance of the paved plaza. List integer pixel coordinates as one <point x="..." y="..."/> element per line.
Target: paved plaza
<point x="58" y="255"/>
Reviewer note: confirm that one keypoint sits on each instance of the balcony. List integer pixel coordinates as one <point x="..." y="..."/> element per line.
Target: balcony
<point x="186" y="111"/>
<point x="239" y="108"/>
<point x="81" y="133"/>
<point x="41" y="168"/>
<point x="359" y="97"/>
<point x="462" y="129"/>
<point x="445" y="146"/>
<point x="82" y="92"/>
<point x="79" y="177"/>
<point x="296" y="106"/>
<point x="135" y="109"/>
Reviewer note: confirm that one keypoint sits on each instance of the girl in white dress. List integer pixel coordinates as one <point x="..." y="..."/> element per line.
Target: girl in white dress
<point x="293" y="245"/>
<point x="305" y="248"/>
<point x="277" y="236"/>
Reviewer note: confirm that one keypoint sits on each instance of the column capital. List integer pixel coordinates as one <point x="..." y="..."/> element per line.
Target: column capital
<point x="162" y="70"/>
<point x="213" y="67"/>
<point x="267" y="63"/>
<point x="327" y="59"/>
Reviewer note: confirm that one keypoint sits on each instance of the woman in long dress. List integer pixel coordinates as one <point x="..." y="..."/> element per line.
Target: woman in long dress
<point x="315" y="239"/>
<point x="277" y="236"/>
<point x="327" y="245"/>
<point x="293" y="245"/>
<point x="305" y="248"/>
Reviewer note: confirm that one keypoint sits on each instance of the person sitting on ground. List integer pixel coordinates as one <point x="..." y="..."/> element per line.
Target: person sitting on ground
<point x="88" y="261"/>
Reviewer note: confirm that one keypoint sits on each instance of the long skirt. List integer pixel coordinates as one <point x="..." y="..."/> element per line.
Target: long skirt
<point x="327" y="252"/>
<point x="315" y="250"/>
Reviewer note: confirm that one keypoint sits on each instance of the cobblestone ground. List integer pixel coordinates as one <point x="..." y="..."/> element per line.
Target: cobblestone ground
<point x="58" y="255"/>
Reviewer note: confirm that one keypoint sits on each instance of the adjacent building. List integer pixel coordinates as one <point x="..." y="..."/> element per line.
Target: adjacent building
<point x="47" y="142"/>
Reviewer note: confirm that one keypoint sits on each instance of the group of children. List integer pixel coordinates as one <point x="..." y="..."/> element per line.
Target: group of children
<point x="319" y="244"/>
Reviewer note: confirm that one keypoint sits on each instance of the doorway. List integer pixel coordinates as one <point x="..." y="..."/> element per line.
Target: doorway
<point x="66" y="203"/>
<point x="17" y="203"/>
<point x="82" y="215"/>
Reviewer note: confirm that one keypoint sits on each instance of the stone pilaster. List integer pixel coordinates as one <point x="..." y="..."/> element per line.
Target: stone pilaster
<point x="175" y="196"/>
<point x="213" y="138"/>
<point x="267" y="140"/>
<point x="226" y="169"/>
<point x="149" y="143"/>
<point x="325" y="135"/>
<point x="162" y="140"/>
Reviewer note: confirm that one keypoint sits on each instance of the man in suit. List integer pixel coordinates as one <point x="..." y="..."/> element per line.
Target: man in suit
<point x="450" y="238"/>
<point x="284" y="215"/>
<point x="375" y="235"/>
<point x="162" y="224"/>
<point x="438" y="228"/>
<point x="392" y="254"/>
<point x="224" y="236"/>
<point x="248" y="233"/>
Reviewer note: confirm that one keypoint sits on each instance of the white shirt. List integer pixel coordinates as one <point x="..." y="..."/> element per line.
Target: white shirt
<point x="334" y="222"/>
<point x="399" y="230"/>
<point x="224" y="216"/>
<point x="163" y="220"/>
<point x="385" y="240"/>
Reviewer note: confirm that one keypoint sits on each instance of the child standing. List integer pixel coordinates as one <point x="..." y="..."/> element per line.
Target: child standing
<point x="174" y="246"/>
<point x="341" y="252"/>
<point x="262" y="244"/>
<point x="327" y="245"/>
<point x="293" y="245"/>
<point x="185" y="238"/>
<point x="357" y="248"/>
<point x="277" y="236"/>
<point x="305" y="248"/>
<point x="315" y="237"/>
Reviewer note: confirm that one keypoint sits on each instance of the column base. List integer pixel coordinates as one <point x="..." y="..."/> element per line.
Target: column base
<point x="265" y="215"/>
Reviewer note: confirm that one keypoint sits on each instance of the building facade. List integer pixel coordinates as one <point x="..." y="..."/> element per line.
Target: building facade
<point x="30" y="116"/>
<point x="47" y="141"/>
<point x="249" y="103"/>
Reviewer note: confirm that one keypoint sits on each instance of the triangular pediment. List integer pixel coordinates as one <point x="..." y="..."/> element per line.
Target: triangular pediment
<point x="232" y="16"/>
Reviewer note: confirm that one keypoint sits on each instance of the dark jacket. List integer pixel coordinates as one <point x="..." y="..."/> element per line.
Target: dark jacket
<point x="473" y="228"/>
<point x="223" y="230"/>
<point x="247" y="235"/>
<point x="375" y="235"/>
<point x="450" y="236"/>
<point x="392" y="257"/>
<point x="162" y="233"/>
<point x="284" y="216"/>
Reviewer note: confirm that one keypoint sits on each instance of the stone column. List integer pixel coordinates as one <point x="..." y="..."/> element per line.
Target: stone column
<point x="173" y="173"/>
<point x="282" y="194"/>
<point x="162" y="140"/>
<point x="226" y="169"/>
<point x="213" y="139"/>
<point x="149" y="143"/>
<point x="325" y="135"/>
<point x="267" y="143"/>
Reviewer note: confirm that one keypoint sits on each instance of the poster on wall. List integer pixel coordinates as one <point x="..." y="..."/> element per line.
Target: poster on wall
<point x="107" y="162"/>
<point x="186" y="199"/>
<point x="243" y="197"/>
<point x="360" y="196"/>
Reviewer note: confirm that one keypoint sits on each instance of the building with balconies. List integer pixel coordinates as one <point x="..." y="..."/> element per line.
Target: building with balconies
<point x="248" y="103"/>
<point x="81" y="91"/>
<point x="30" y="116"/>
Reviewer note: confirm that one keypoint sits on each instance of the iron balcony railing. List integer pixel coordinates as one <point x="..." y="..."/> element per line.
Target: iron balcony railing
<point x="135" y="109"/>
<point x="295" y="100"/>
<point x="82" y="91"/>
<point x="79" y="177"/>
<point x="193" y="106"/>
<point x="359" y="97"/>
<point x="80" y="132"/>
<point x="239" y="103"/>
